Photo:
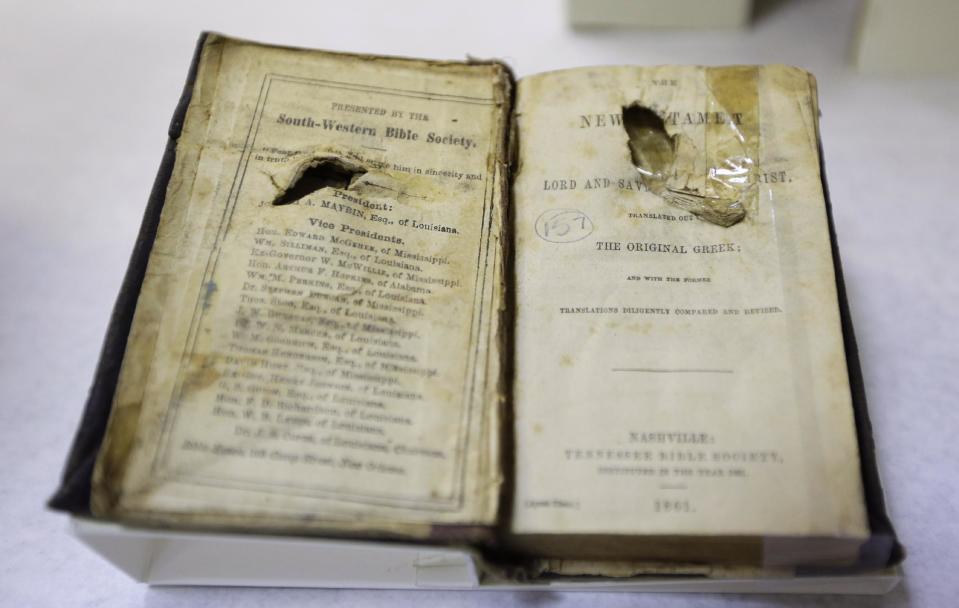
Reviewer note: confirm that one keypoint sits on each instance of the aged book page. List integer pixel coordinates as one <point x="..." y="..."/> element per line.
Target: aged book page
<point x="676" y="378"/>
<point x="317" y="342"/>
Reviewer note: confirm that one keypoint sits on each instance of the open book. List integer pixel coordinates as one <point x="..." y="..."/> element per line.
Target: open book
<point x="589" y="316"/>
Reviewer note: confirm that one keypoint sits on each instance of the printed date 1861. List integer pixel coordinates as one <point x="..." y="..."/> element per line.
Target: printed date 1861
<point x="665" y="505"/>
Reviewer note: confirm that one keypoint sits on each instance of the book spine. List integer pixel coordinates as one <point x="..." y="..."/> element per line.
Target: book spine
<point x="883" y="548"/>
<point x="73" y="495"/>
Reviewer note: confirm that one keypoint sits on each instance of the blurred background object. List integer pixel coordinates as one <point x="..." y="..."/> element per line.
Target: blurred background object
<point x="660" y="13"/>
<point x="893" y="36"/>
<point x="916" y="36"/>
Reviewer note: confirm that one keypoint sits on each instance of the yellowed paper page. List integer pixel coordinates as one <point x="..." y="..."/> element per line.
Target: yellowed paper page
<point x="317" y="340"/>
<point x="675" y="377"/>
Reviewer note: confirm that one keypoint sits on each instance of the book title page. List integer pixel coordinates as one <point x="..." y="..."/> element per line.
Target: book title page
<point x="673" y="375"/>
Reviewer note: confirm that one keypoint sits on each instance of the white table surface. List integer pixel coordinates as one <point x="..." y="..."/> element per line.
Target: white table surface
<point x="87" y="92"/>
